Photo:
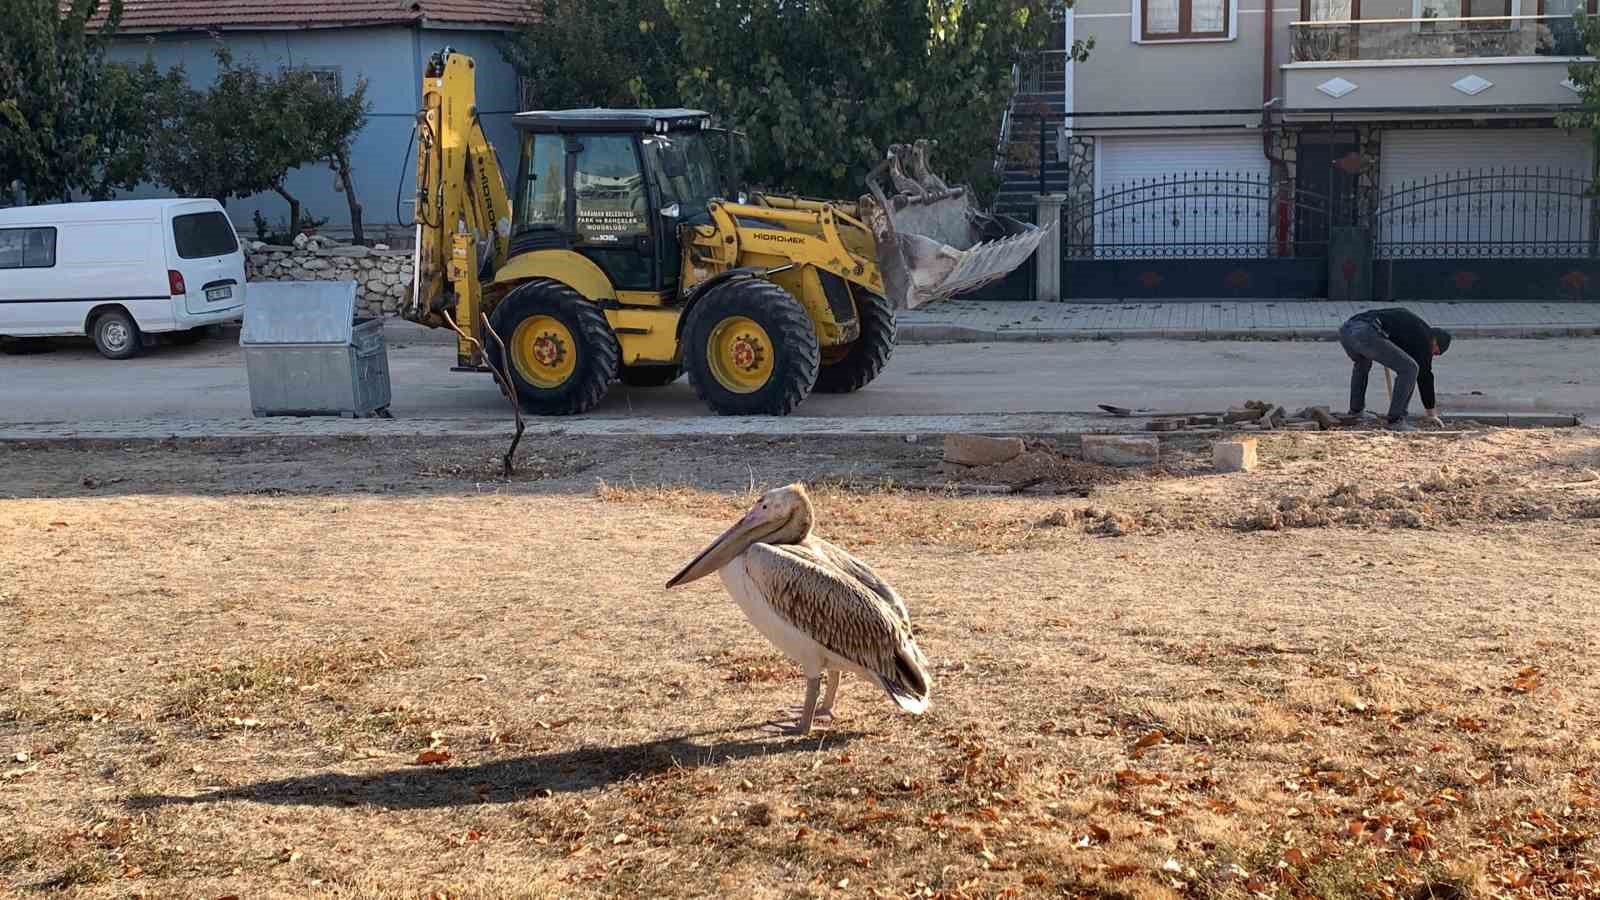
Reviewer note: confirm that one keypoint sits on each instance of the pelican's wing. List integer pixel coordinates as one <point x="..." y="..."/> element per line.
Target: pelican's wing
<point x="863" y="573"/>
<point x="814" y="596"/>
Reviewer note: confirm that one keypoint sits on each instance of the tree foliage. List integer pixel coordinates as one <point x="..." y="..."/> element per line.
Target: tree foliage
<point x="1585" y="77"/>
<point x="244" y="133"/>
<point x="69" y="121"/>
<point x="619" y="53"/>
<point x="822" y="87"/>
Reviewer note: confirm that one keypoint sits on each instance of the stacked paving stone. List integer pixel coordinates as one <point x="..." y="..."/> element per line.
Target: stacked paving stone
<point x="383" y="275"/>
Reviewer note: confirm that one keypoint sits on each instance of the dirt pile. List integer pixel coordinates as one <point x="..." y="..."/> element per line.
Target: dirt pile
<point x="1105" y="522"/>
<point x="1044" y="468"/>
<point x="1443" y="499"/>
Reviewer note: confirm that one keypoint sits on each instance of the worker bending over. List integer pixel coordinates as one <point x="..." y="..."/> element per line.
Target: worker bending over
<point x="1399" y="340"/>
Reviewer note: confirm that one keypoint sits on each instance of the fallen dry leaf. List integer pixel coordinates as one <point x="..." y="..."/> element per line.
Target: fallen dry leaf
<point x="1150" y="739"/>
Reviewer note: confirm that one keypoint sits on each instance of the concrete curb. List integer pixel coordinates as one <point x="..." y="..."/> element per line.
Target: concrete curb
<point x="399" y="331"/>
<point x="957" y="334"/>
<point x="909" y="427"/>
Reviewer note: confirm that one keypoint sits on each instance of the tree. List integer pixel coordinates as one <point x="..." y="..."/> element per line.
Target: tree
<point x="69" y="121"/>
<point x="211" y="143"/>
<point x="598" y="53"/>
<point x="334" y="121"/>
<point x="824" y="88"/>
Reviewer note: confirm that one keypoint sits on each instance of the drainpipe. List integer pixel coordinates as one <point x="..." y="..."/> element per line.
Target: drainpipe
<point x="1278" y="169"/>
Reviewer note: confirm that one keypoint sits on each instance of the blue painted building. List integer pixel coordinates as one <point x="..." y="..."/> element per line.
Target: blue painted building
<point x="387" y="42"/>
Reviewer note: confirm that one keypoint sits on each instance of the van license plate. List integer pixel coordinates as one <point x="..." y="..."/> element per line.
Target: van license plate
<point x="218" y="293"/>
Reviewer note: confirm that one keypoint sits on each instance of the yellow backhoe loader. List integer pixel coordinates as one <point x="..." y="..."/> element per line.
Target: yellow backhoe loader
<point x="618" y="253"/>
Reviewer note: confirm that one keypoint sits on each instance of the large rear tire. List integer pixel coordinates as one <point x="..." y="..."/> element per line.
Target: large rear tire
<point x="853" y="366"/>
<point x="563" y="353"/>
<point x="750" y="349"/>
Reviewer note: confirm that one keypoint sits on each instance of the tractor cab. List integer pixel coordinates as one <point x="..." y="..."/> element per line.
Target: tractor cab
<point x="615" y="184"/>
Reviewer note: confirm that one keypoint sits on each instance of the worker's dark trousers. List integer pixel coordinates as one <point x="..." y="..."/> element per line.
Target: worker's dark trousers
<point x="1366" y="345"/>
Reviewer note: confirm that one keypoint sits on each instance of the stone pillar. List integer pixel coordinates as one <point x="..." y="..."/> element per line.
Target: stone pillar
<point x="1047" y="259"/>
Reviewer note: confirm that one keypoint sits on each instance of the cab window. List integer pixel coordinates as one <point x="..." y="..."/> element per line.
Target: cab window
<point x="544" y="198"/>
<point x="612" y="203"/>
<point x="684" y="168"/>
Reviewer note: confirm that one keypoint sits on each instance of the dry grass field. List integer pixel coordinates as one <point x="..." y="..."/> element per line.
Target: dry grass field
<point x="331" y="668"/>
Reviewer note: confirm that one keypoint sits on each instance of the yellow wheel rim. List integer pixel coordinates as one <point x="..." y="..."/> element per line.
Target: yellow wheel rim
<point x="740" y="354"/>
<point x="543" y="351"/>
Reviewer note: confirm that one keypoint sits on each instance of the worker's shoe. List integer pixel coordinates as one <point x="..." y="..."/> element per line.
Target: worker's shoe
<point x="1400" y="425"/>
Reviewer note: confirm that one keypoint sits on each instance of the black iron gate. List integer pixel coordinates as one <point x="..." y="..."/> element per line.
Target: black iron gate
<point x="1197" y="235"/>
<point x="1513" y="233"/>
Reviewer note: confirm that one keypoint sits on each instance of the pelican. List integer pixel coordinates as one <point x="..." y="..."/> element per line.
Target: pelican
<point x="822" y="607"/>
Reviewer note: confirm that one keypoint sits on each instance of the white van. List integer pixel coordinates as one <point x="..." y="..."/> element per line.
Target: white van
<point x="119" y="270"/>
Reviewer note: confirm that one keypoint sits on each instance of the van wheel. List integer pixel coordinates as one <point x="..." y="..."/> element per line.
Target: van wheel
<point x="115" y="335"/>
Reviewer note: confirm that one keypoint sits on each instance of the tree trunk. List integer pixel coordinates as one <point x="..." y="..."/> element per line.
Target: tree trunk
<point x="341" y="163"/>
<point x="294" y="211"/>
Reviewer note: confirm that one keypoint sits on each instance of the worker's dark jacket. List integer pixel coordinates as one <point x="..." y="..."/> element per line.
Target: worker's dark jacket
<point x="1406" y="330"/>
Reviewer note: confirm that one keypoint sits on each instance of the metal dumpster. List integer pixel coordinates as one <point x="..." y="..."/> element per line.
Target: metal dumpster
<point x="305" y="355"/>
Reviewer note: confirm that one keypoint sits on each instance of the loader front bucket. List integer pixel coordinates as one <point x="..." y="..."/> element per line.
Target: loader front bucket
<point x="932" y="241"/>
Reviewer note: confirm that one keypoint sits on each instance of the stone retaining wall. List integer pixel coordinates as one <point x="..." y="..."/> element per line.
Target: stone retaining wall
<point x="383" y="276"/>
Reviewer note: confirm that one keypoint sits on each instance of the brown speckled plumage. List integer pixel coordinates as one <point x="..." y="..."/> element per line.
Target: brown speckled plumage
<point x="808" y="587"/>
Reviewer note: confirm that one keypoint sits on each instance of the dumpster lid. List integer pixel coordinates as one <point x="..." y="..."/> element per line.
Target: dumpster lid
<point x="298" y="312"/>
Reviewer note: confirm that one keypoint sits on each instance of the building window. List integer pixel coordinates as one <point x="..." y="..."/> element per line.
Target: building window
<point x="1566" y="7"/>
<point x="1462" y="9"/>
<point x="329" y="78"/>
<point x="1167" y="20"/>
<point x="1329" y="10"/>
<point x="27" y="248"/>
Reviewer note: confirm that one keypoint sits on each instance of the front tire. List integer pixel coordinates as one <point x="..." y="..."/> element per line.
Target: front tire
<point x="116" y="335"/>
<point x="853" y="366"/>
<point x="563" y="353"/>
<point x="751" y="349"/>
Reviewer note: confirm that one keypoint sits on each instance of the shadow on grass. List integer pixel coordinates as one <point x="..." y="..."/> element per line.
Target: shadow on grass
<point x="506" y="780"/>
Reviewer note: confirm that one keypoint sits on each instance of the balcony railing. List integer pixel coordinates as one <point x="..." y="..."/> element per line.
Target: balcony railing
<point x="1438" y="37"/>
<point x="1045" y="73"/>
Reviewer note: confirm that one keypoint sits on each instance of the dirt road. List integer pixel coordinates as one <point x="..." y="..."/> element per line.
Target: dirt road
<point x="338" y="667"/>
<point x="74" y="384"/>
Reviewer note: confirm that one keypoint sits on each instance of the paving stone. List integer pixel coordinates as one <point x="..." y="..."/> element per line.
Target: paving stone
<point x="1234" y="456"/>
<point x="1121" y="449"/>
<point x="979" y="450"/>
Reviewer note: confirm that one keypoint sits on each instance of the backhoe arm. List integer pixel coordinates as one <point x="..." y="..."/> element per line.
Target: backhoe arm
<point x="463" y="213"/>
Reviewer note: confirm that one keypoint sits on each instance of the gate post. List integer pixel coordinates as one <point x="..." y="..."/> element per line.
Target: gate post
<point x="1047" y="259"/>
<point x="1350" y="264"/>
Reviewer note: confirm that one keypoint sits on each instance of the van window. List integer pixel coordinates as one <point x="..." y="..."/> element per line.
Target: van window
<point x="27" y="248"/>
<point x="203" y="234"/>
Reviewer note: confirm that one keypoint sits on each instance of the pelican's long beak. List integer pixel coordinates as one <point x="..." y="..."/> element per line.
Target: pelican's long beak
<point x="722" y="551"/>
